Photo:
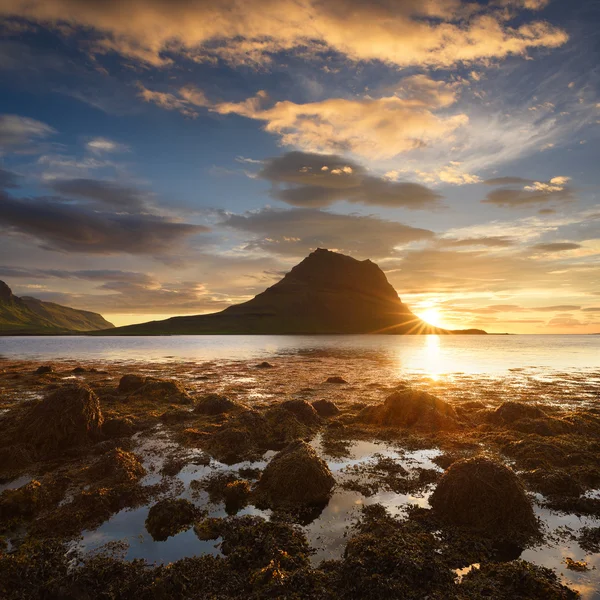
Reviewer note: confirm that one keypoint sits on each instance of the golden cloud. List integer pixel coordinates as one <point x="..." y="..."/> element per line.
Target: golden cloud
<point x="412" y="32"/>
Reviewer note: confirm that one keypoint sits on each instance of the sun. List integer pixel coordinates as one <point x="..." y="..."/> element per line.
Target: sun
<point x="431" y="316"/>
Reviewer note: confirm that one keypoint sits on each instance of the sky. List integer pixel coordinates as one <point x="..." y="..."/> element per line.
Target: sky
<point x="167" y="157"/>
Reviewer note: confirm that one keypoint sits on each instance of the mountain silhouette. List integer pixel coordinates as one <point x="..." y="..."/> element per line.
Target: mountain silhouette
<point x="326" y="293"/>
<point x="27" y="315"/>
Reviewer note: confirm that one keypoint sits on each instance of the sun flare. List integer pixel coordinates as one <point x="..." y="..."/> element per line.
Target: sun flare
<point x="431" y="316"/>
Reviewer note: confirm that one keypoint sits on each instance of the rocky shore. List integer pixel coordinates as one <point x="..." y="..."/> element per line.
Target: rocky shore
<point x="251" y="459"/>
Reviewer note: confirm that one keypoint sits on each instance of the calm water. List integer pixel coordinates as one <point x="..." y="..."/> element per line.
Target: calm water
<point x="434" y="354"/>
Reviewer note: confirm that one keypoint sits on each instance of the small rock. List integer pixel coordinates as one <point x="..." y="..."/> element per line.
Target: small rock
<point x="214" y="404"/>
<point x="265" y="365"/>
<point x="118" y="427"/>
<point x="302" y="410"/>
<point x="326" y="408"/>
<point x="44" y="370"/>
<point x="335" y="379"/>
<point x="79" y="370"/>
<point x="170" y="517"/>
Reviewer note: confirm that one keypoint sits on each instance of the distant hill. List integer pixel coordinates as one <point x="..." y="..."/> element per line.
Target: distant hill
<point x="326" y="293"/>
<point x="28" y="315"/>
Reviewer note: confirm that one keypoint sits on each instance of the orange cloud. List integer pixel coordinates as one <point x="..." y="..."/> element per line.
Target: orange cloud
<point x="412" y="32"/>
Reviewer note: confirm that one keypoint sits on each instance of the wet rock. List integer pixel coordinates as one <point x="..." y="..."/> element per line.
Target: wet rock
<point x="231" y="445"/>
<point x="118" y="465"/>
<point x="174" y="414"/>
<point x="516" y="579"/>
<point x="335" y="379"/>
<point x="170" y="517"/>
<point x="68" y="417"/>
<point x="302" y="410"/>
<point x="553" y="482"/>
<point x="509" y="412"/>
<point x="161" y="390"/>
<point x="412" y="409"/>
<point x="486" y="496"/>
<point x="21" y="502"/>
<point x="131" y="383"/>
<point x="295" y="477"/>
<point x="44" y="370"/>
<point x="214" y="404"/>
<point x="265" y="365"/>
<point x="326" y="408"/>
<point x="118" y="427"/>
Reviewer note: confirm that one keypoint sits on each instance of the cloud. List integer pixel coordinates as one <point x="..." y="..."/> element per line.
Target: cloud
<point x="496" y="241"/>
<point x="525" y="193"/>
<point x="19" y="133"/>
<point x="104" y="192"/>
<point x="557" y="247"/>
<point x="167" y="101"/>
<point x="59" y="225"/>
<point x="557" y="308"/>
<point x="437" y="33"/>
<point x="100" y="145"/>
<point x="8" y="180"/>
<point x="318" y="180"/>
<point x="297" y="232"/>
<point x="371" y="127"/>
<point x="591" y="309"/>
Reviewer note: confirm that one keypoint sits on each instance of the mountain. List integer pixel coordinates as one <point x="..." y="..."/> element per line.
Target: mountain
<point x="326" y="293"/>
<point x="28" y="315"/>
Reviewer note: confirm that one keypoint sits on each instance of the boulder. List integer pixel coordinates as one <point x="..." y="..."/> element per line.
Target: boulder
<point x="68" y="417"/>
<point x="118" y="465"/>
<point x="214" y="404"/>
<point x="296" y="477"/>
<point x="486" y="496"/>
<point x="170" y="517"/>
<point x="302" y="410"/>
<point x="326" y="408"/>
<point x="412" y="409"/>
<point x="131" y="383"/>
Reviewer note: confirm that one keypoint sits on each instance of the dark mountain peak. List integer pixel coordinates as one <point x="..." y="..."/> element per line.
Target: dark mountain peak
<point x="327" y="270"/>
<point x="6" y="295"/>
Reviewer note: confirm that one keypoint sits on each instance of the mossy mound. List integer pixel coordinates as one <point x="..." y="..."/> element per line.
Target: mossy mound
<point x="118" y="465"/>
<point x="511" y="411"/>
<point x="295" y="478"/>
<point x="68" y="417"/>
<point x="21" y="502"/>
<point x="516" y="580"/>
<point x="553" y="482"/>
<point x="161" y="390"/>
<point x="486" y="496"/>
<point x="116" y="427"/>
<point x="326" y="408"/>
<point x="170" y="517"/>
<point x="231" y="445"/>
<point x="130" y="383"/>
<point x="303" y="411"/>
<point x="413" y="409"/>
<point x="214" y="404"/>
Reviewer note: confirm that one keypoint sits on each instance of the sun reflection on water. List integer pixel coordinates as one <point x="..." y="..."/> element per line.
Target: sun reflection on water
<point x="433" y="357"/>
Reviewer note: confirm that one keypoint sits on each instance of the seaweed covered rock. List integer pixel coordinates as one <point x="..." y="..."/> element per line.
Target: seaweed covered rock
<point x="514" y="580"/>
<point x="44" y="370"/>
<point x="214" y="404"/>
<point x="326" y="408"/>
<point x="511" y="411"/>
<point x="161" y="390"/>
<point x="231" y="445"/>
<point x="22" y="501"/>
<point x="302" y="410"/>
<point x="130" y="383"/>
<point x="412" y="408"/>
<point x="175" y="414"/>
<point x="170" y="517"/>
<point x="486" y="496"/>
<point x="70" y="416"/>
<point x="118" y="427"/>
<point x="553" y="482"/>
<point x="282" y="427"/>
<point x="295" y="477"/>
<point x="118" y="465"/>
